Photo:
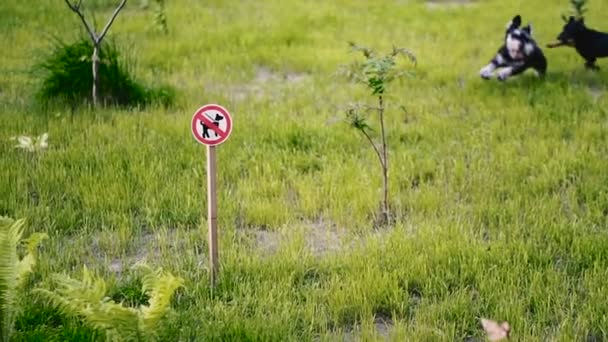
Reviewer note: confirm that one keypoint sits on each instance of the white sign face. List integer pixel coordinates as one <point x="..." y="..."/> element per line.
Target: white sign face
<point x="211" y="125"/>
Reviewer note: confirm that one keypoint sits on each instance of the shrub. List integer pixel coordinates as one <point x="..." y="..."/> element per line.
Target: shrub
<point x="68" y="77"/>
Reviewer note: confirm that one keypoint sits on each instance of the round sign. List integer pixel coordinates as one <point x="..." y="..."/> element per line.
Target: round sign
<point x="211" y="125"/>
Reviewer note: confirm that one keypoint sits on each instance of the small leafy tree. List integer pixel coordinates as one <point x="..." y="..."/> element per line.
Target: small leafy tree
<point x="96" y="39"/>
<point x="87" y="298"/>
<point x="577" y="10"/>
<point x="376" y="72"/>
<point x="13" y="270"/>
<point x="578" y="7"/>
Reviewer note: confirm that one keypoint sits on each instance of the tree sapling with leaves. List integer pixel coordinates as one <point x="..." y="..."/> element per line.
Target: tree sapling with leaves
<point x="376" y="73"/>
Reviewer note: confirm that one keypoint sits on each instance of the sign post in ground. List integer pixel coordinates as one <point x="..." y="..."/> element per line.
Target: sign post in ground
<point x="211" y="126"/>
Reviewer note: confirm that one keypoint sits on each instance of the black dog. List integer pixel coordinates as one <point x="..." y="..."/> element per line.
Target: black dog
<point x="590" y="44"/>
<point x="518" y="53"/>
<point x="216" y="122"/>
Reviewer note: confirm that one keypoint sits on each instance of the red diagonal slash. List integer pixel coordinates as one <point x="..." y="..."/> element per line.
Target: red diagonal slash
<point x="211" y="124"/>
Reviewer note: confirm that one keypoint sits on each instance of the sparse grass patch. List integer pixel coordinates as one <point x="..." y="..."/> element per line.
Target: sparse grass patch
<point x="41" y="323"/>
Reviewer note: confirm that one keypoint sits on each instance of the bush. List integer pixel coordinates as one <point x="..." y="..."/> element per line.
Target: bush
<point x="67" y="73"/>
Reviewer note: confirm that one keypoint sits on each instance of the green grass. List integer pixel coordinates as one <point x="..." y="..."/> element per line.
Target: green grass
<point x="499" y="189"/>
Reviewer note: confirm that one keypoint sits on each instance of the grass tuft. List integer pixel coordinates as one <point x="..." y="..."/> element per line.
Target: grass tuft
<point x="67" y="76"/>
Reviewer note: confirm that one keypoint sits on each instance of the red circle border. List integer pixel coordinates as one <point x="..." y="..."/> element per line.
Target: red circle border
<point x="199" y="112"/>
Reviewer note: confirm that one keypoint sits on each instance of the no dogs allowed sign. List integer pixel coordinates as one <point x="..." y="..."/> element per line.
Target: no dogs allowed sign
<point x="211" y="125"/>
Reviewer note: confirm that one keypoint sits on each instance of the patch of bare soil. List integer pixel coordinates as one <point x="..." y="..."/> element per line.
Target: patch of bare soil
<point x="266" y="82"/>
<point x="384" y="326"/>
<point x="321" y="238"/>
<point x="596" y="92"/>
<point x="150" y="248"/>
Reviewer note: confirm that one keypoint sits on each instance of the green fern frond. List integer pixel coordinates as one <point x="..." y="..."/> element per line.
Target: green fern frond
<point x="5" y="221"/>
<point x="160" y="287"/>
<point x="13" y="272"/>
<point x="26" y="265"/>
<point x="87" y="299"/>
<point x="89" y="289"/>
<point x="119" y="323"/>
<point x="32" y="243"/>
<point x="10" y="234"/>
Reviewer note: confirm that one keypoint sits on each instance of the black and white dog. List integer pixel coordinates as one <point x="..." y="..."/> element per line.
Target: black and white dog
<point x="590" y="44"/>
<point x="518" y="53"/>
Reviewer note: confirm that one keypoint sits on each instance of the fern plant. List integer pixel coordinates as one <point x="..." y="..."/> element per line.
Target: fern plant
<point x="14" y="270"/>
<point x="87" y="298"/>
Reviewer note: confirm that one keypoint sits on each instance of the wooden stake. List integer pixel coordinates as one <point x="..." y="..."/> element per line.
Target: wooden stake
<point x="212" y="213"/>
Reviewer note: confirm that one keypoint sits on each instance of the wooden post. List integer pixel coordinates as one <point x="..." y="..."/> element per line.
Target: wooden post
<point x="216" y="119"/>
<point x="212" y="213"/>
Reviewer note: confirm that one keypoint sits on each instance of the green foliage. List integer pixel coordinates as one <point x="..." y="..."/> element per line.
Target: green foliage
<point x="130" y="292"/>
<point x="578" y="8"/>
<point x="41" y="323"/>
<point x="87" y="299"/>
<point x="160" y="16"/>
<point x="376" y="72"/>
<point x="14" y="270"/>
<point x="67" y="76"/>
<point x="356" y="118"/>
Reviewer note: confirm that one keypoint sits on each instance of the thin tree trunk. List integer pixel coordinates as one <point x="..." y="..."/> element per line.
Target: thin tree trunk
<point x="96" y="39"/>
<point x="384" y="162"/>
<point x="95" y="73"/>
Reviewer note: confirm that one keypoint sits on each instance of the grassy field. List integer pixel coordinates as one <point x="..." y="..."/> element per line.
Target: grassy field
<point x="499" y="189"/>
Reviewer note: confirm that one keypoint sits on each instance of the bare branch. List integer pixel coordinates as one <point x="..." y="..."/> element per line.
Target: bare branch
<point x="373" y="146"/>
<point x="76" y="9"/>
<point x="116" y="11"/>
<point x="368" y="53"/>
<point x="406" y="53"/>
<point x="72" y="7"/>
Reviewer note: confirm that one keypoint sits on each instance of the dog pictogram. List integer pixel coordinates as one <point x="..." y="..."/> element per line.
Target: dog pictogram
<point x="216" y="122"/>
